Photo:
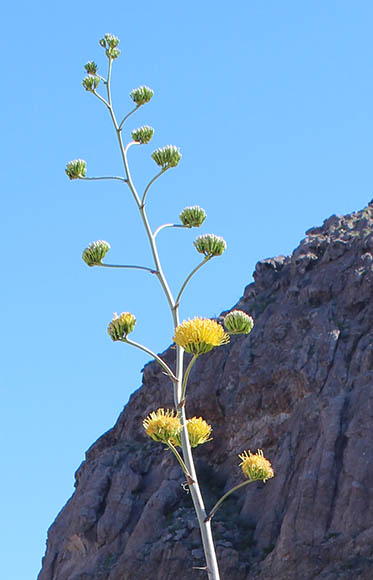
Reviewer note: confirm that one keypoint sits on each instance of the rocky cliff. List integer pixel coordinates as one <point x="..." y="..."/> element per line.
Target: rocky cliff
<point x="300" y="387"/>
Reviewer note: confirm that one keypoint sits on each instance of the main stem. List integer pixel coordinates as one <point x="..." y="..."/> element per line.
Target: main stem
<point x="205" y="526"/>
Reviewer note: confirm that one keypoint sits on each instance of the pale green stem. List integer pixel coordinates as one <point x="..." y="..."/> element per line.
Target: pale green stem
<point x="151" y="183"/>
<point x="186" y="377"/>
<point x="130" y="145"/>
<point x="136" y="197"/>
<point x="205" y="526"/>
<point x="218" y="504"/>
<point x="100" y="178"/>
<point x="101" y="98"/>
<point x="189" y="277"/>
<point x="126" y="117"/>
<point x="160" y="228"/>
<point x="179" y="458"/>
<point x="127" y="266"/>
<point x="108" y="88"/>
<point x="153" y="246"/>
<point x="161" y="362"/>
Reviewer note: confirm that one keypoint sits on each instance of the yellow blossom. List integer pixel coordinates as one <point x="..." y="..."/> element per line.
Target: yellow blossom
<point x="200" y="335"/>
<point x="256" y="466"/>
<point x="199" y="432"/>
<point x="162" y="425"/>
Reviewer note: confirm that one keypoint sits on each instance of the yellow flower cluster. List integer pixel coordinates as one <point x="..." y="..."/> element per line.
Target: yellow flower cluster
<point x="199" y="432"/>
<point x="256" y="466"/>
<point x="166" y="427"/>
<point x="200" y="335"/>
<point x="162" y="425"/>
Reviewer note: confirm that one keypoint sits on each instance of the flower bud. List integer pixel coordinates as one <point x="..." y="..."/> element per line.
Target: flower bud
<point x="162" y="425"/>
<point x="112" y="40"/>
<point x="93" y="255"/>
<point x="102" y="42"/>
<point x="121" y="325"/>
<point x="168" y="156"/>
<point x="256" y="466"/>
<point x="91" y="67"/>
<point x="192" y="217"/>
<point x="76" y="169"/>
<point x="90" y="83"/>
<point x="112" y="53"/>
<point x="210" y="245"/>
<point x="143" y="134"/>
<point x="141" y="95"/>
<point x="238" y="322"/>
<point x="199" y="432"/>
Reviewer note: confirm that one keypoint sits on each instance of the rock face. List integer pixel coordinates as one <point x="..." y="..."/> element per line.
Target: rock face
<point x="300" y="388"/>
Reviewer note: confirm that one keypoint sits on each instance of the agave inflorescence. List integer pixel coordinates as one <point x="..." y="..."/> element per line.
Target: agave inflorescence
<point x="163" y="426"/>
<point x="193" y="216"/>
<point x="255" y="466"/>
<point x="238" y="322"/>
<point x="200" y="335"/>
<point x="196" y="336"/>
<point x="141" y="95"/>
<point x="76" y="169"/>
<point x="94" y="253"/>
<point x="121" y="325"/>
<point x="210" y="245"/>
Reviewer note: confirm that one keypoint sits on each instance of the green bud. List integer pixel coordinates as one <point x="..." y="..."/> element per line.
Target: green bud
<point x="93" y="255"/>
<point x="192" y="217"/>
<point x="143" y="134"/>
<point x="168" y="156"/>
<point x="112" y="53"/>
<point x="102" y="42"/>
<point x="91" y="67"/>
<point x="121" y="325"/>
<point x="112" y="40"/>
<point x="238" y="322"/>
<point x="210" y="245"/>
<point x="76" y="169"/>
<point x="90" y="83"/>
<point x="141" y="95"/>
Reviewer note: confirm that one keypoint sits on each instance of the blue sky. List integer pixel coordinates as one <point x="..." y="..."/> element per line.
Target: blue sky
<point x="271" y="106"/>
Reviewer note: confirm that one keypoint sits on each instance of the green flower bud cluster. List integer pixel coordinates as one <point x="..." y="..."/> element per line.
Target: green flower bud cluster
<point x="143" y="134"/>
<point x="210" y="245"/>
<point x="90" y="83"/>
<point x="238" y="322"/>
<point x="76" y="169"/>
<point x="141" y="95"/>
<point x="93" y="255"/>
<point x="110" y="42"/>
<point x="121" y="325"/>
<point x="91" y="67"/>
<point x="168" y="156"/>
<point x="193" y="216"/>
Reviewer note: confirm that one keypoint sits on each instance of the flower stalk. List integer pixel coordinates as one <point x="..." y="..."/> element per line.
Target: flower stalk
<point x="166" y="158"/>
<point x="198" y="336"/>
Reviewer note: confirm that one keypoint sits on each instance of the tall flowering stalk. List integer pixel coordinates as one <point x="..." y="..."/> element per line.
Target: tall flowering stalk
<point x="199" y="336"/>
